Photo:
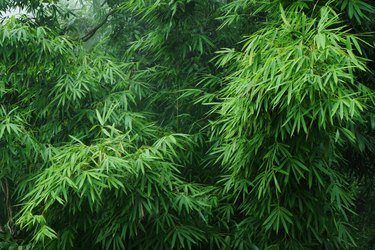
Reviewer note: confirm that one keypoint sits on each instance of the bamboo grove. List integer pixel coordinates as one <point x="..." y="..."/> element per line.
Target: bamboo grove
<point x="186" y="124"/>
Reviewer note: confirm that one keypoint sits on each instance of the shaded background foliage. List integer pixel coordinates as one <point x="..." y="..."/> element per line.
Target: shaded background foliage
<point x="187" y="124"/>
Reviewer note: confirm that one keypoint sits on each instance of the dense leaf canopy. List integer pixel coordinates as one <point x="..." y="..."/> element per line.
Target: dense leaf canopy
<point x="186" y="124"/>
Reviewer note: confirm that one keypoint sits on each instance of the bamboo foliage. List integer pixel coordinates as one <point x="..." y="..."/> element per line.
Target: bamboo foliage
<point x="290" y="91"/>
<point x="184" y="124"/>
<point x="88" y="151"/>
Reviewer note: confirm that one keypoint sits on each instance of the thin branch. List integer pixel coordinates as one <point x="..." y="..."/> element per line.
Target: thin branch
<point x="92" y="32"/>
<point x="316" y="3"/>
<point x="8" y="206"/>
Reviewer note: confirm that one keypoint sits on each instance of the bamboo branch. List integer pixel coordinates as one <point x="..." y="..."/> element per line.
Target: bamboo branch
<point x="92" y="32"/>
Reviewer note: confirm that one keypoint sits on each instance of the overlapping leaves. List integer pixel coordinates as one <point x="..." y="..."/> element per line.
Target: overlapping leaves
<point x="291" y="102"/>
